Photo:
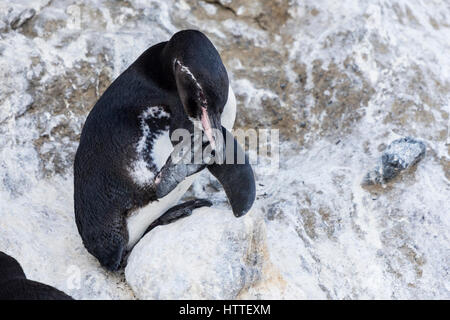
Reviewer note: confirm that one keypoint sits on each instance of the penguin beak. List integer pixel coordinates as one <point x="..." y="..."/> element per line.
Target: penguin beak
<point x="210" y="126"/>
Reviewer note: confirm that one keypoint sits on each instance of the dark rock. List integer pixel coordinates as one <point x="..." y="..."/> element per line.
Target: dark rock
<point x="401" y="154"/>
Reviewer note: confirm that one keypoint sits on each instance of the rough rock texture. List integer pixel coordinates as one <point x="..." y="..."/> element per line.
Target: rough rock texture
<point x="400" y="155"/>
<point x="339" y="79"/>
<point x="157" y="265"/>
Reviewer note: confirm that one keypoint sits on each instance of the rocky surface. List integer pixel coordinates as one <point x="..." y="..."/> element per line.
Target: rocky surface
<point x="340" y="80"/>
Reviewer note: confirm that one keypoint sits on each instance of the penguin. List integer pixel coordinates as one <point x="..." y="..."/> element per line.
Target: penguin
<point x="125" y="182"/>
<point x="15" y="286"/>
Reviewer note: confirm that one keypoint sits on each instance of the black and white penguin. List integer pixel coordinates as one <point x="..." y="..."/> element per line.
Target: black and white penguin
<point x="125" y="183"/>
<point x="15" y="286"/>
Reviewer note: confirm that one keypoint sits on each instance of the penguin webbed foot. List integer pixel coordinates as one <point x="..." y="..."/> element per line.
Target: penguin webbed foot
<point x="179" y="211"/>
<point x="176" y="169"/>
<point x="171" y="175"/>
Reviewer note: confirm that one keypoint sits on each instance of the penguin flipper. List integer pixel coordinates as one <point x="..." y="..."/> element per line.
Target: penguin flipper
<point x="237" y="178"/>
<point x="178" y="212"/>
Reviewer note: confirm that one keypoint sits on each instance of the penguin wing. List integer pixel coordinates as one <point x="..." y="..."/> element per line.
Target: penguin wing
<point x="236" y="178"/>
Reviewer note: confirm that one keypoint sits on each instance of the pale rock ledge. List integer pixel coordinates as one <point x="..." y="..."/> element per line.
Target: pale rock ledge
<point x="209" y="255"/>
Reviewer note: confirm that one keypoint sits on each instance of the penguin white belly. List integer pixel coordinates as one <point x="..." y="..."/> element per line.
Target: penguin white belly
<point x="138" y="223"/>
<point x="141" y="219"/>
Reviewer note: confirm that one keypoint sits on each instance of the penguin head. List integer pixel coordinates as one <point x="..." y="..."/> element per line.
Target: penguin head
<point x="201" y="81"/>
